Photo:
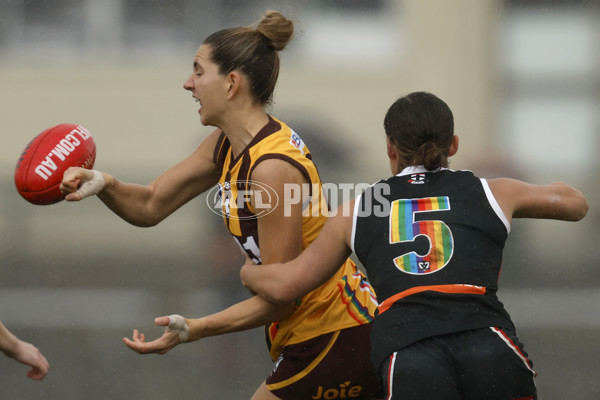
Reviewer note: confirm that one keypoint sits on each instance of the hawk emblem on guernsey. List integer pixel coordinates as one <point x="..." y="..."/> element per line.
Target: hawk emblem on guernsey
<point x="417" y="179"/>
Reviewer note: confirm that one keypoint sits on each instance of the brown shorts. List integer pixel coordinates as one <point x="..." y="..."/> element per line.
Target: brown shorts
<point x="332" y="366"/>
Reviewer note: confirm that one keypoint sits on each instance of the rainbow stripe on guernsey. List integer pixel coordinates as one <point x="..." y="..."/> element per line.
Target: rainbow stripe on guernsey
<point x="349" y="297"/>
<point x="404" y="228"/>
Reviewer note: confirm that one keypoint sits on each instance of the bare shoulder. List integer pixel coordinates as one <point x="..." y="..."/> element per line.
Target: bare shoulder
<point x="504" y="184"/>
<point x="276" y="171"/>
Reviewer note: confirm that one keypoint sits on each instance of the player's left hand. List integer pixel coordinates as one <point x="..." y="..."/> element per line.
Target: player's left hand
<point x="176" y="332"/>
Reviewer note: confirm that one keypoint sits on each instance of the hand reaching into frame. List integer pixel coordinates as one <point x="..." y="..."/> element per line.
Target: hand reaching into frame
<point x="176" y="332"/>
<point x="28" y="354"/>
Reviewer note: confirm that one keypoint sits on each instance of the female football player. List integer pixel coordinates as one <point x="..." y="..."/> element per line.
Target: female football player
<point x="321" y="340"/>
<point x="431" y="240"/>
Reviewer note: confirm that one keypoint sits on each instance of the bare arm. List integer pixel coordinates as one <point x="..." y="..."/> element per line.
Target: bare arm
<point x="280" y="240"/>
<point x="8" y="341"/>
<point x="283" y="282"/>
<point x="247" y="314"/>
<point x="148" y="205"/>
<point x="24" y="353"/>
<point x="553" y="201"/>
<point x="312" y="268"/>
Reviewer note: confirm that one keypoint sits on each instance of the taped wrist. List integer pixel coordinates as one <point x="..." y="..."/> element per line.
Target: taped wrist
<point x="92" y="186"/>
<point x="177" y="324"/>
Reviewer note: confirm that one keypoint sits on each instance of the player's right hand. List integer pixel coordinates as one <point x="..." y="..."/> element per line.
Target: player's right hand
<point x="79" y="183"/>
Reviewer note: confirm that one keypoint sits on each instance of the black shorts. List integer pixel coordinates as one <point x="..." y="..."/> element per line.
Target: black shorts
<point x="332" y="366"/>
<point x="486" y="363"/>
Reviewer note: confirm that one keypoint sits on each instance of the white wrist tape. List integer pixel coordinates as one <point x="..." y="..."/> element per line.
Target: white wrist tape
<point x="177" y="324"/>
<point x="92" y="186"/>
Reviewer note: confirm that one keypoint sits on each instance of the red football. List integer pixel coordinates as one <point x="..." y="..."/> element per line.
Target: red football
<point x="40" y="168"/>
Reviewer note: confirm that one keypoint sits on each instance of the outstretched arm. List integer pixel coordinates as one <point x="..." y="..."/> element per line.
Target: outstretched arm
<point x="280" y="240"/>
<point x="280" y="283"/>
<point x="147" y="205"/>
<point x="553" y="201"/>
<point x="248" y="314"/>
<point x="285" y="282"/>
<point x="23" y="352"/>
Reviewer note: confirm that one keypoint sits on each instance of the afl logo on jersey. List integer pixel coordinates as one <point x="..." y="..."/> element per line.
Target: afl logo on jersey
<point x="297" y="142"/>
<point x="417" y="179"/>
<point x="234" y="199"/>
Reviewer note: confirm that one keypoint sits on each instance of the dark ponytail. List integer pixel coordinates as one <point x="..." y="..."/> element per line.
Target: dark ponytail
<point x="421" y="127"/>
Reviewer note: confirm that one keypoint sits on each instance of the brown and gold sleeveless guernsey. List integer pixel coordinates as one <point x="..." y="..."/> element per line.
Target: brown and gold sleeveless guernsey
<point x="345" y="300"/>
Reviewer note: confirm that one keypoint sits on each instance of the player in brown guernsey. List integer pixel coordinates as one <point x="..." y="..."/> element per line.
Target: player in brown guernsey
<point x="320" y="340"/>
<point x="431" y="240"/>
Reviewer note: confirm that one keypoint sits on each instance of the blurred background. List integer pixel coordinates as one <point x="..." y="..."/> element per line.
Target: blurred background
<point x="522" y="77"/>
